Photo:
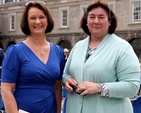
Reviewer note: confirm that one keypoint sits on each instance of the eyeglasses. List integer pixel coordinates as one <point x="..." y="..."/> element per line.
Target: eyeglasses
<point x="42" y="2"/>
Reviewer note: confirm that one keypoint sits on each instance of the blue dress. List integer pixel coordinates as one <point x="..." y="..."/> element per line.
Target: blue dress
<point x="35" y="81"/>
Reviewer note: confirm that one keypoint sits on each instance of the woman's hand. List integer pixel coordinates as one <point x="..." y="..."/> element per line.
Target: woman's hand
<point x="69" y="83"/>
<point x="87" y="88"/>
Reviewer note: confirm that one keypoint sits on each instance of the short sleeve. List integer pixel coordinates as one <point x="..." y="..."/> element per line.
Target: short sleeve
<point x="11" y="65"/>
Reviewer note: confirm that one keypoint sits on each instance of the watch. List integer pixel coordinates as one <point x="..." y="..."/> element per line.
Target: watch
<point x="100" y="85"/>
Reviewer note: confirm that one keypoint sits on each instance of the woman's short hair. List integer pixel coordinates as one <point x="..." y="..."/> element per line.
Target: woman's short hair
<point x="111" y="17"/>
<point x="24" y="20"/>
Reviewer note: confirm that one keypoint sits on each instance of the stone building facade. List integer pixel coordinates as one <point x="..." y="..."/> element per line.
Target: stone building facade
<point x="67" y="15"/>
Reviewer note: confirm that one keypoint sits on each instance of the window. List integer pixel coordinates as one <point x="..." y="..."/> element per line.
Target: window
<point x="83" y="8"/>
<point x="12" y="22"/>
<point x="16" y="0"/>
<point x="136" y="11"/>
<point x="1" y="1"/>
<point x="112" y="6"/>
<point x="63" y="1"/>
<point x="64" y="17"/>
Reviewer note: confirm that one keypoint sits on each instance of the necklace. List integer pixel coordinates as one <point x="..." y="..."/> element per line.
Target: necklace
<point x="41" y="52"/>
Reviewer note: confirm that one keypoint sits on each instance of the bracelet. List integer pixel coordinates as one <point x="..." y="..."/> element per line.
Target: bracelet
<point x="103" y="89"/>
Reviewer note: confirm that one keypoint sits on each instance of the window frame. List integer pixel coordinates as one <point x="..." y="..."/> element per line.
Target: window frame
<point x="61" y="19"/>
<point x="16" y="0"/>
<point x="131" y="12"/>
<point x="63" y="1"/>
<point x="2" y="1"/>
<point x="82" y="7"/>
<point x="113" y="3"/>
<point x="13" y="15"/>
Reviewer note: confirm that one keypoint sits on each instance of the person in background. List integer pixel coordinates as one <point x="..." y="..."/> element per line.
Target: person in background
<point x="32" y="70"/>
<point x="64" y="92"/>
<point x="66" y="53"/>
<point x="102" y="71"/>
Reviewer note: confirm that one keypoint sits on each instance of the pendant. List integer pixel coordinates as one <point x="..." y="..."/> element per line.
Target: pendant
<point x="42" y="53"/>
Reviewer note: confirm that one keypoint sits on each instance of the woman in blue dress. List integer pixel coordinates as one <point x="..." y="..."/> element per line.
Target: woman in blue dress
<point x="32" y="70"/>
